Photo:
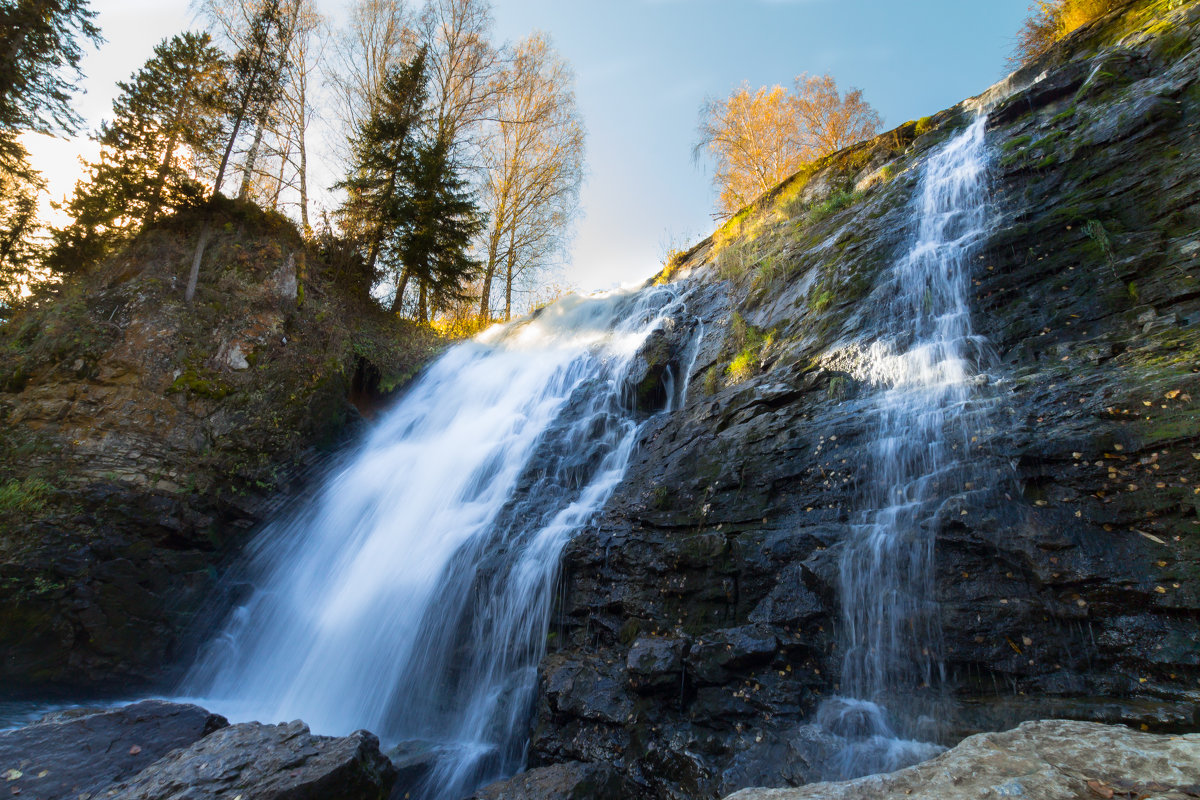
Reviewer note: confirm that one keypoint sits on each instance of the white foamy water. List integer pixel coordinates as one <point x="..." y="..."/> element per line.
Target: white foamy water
<point x="926" y="361"/>
<point x="412" y="597"/>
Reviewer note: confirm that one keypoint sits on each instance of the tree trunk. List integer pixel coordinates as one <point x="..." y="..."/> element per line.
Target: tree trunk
<point x="194" y="276"/>
<point x="306" y="228"/>
<point x="485" y="298"/>
<point x="237" y="124"/>
<point x="398" y="300"/>
<point x="283" y="160"/>
<point x="423" y="305"/>
<point x="172" y="141"/>
<point x="156" y="199"/>
<point x="508" y="281"/>
<point x="251" y="157"/>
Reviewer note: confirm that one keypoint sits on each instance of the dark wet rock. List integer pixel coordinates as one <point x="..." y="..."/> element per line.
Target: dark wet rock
<point x="723" y="652"/>
<point x="789" y="758"/>
<point x="414" y="761"/>
<point x="655" y="663"/>
<point x="587" y="690"/>
<point x="266" y="762"/>
<point x="1049" y="760"/>
<point x="80" y="752"/>
<point x="571" y="781"/>
<point x="1065" y="556"/>
<point x="654" y="378"/>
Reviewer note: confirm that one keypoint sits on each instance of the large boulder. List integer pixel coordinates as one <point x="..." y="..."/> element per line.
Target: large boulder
<point x="266" y="762"/>
<point x="80" y="752"/>
<point x="1047" y="760"/>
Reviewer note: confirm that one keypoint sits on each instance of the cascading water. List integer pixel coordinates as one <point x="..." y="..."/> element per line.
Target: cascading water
<point x="927" y="360"/>
<point x="412" y="598"/>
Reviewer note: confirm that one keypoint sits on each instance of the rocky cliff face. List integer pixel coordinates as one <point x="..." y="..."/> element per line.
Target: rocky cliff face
<point x="141" y="438"/>
<point x="698" y="625"/>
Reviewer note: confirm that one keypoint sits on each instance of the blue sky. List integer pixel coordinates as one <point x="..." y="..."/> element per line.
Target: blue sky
<point x="644" y="67"/>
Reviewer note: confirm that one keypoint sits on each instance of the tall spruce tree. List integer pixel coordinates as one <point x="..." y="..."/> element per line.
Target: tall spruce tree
<point x="383" y="150"/>
<point x="442" y="218"/>
<point x="39" y="53"/>
<point x="21" y="247"/>
<point x="165" y="131"/>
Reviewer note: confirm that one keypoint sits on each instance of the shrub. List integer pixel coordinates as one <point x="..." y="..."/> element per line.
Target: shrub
<point x="1051" y="20"/>
<point x="26" y="495"/>
<point x="742" y="366"/>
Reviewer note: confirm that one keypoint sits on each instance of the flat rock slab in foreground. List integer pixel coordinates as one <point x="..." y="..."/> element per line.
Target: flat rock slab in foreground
<point x="155" y="750"/>
<point x="81" y="751"/>
<point x="1045" y="760"/>
<point x="266" y="762"/>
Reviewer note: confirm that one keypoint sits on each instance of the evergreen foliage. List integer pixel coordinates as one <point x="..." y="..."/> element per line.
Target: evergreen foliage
<point x="408" y="204"/>
<point x="386" y="142"/>
<point x="39" y="48"/>
<point x="21" y="249"/>
<point x="155" y="153"/>
<point x="442" y="219"/>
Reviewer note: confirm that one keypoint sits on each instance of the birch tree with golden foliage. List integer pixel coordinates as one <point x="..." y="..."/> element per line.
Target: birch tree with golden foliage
<point x="759" y="138"/>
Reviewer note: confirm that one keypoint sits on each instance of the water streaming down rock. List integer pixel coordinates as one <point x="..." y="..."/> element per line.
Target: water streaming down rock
<point x="412" y="598"/>
<point x="927" y="361"/>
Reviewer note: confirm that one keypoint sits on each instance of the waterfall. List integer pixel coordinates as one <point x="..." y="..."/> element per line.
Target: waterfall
<point x="412" y="596"/>
<point x="926" y="361"/>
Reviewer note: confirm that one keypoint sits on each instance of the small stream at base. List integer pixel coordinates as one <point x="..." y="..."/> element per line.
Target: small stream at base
<point x="412" y="596"/>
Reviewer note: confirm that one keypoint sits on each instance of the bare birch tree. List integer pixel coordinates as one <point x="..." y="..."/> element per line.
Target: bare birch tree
<point x="240" y="25"/>
<point x="463" y="67"/>
<point x="295" y="110"/>
<point x="533" y="162"/>
<point x="378" y="37"/>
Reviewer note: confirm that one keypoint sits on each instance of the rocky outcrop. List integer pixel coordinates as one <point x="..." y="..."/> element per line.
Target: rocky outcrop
<point x="141" y="438"/>
<point x="155" y="750"/>
<point x="1049" y="760"/>
<point x="81" y="752"/>
<point x="697" y="633"/>
<point x="266" y="762"/>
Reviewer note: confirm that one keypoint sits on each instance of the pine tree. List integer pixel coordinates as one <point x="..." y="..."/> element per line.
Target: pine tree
<point x="154" y="153"/>
<point x="375" y="211"/>
<point x="39" y="41"/>
<point x="20" y="246"/>
<point x="442" y="220"/>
